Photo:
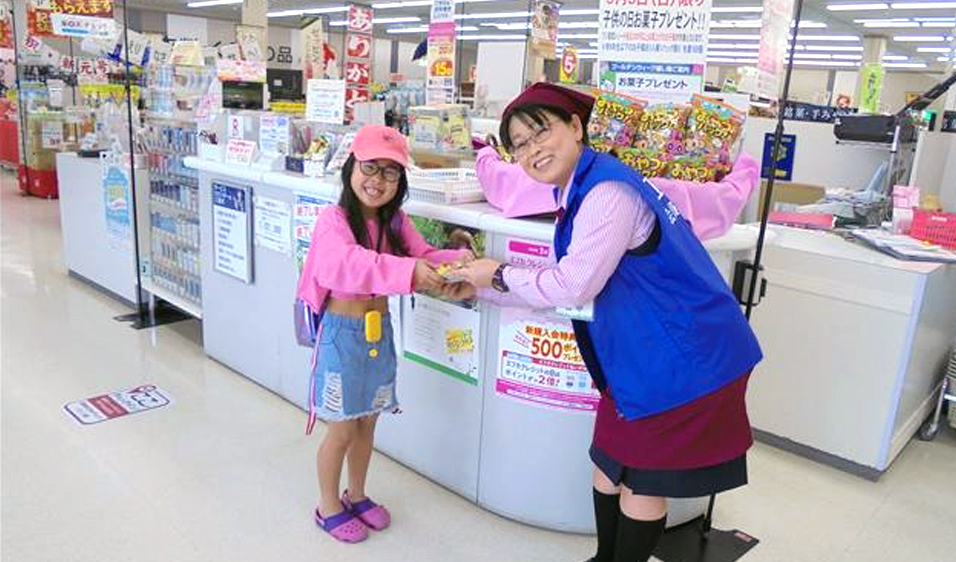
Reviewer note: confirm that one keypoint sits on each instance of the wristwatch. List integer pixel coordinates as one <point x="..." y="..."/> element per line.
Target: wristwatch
<point x="498" y="279"/>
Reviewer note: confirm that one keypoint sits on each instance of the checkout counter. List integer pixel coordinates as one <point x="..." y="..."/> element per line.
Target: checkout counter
<point x="493" y="405"/>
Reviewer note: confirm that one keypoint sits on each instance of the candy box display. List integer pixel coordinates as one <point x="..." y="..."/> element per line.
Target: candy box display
<point x="442" y="128"/>
<point x="614" y="121"/>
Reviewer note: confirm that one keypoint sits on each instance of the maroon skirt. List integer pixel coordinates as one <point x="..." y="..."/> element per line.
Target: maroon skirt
<point x="696" y="449"/>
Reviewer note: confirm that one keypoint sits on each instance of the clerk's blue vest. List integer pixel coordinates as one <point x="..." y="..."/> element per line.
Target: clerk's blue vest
<point x="666" y="328"/>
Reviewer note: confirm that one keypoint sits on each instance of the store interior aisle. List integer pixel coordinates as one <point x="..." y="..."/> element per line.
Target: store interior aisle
<point x="225" y="472"/>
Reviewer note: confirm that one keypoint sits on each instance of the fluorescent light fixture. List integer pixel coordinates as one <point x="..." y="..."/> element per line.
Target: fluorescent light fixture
<point x="593" y="44"/>
<point x="905" y="65"/>
<point x="722" y="53"/>
<point x="919" y="38"/>
<point x="417" y="3"/>
<point x="405" y="19"/>
<point x="812" y="56"/>
<point x="940" y="24"/>
<point x="881" y="20"/>
<point x="849" y="57"/>
<point x="424" y="29"/>
<point x="733" y="37"/>
<point x="891" y="24"/>
<point x="950" y="19"/>
<point x="308" y="11"/>
<point x="731" y="60"/>
<point x="493" y="16"/>
<point x="945" y="59"/>
<point x="895" y="58"/>
<point x="842" y="38"/>
<point x="502" y="37"/>
<point x="858" y="7"/>
<point x="811" y="25"/>
<point x="735" y="46"/>
<point x="735" y="10"/>
<point x="844" y="64"/>
<point x="935" y="49"/>
<point x="208" y="3"/>
<point x="924" y="5"/>
<point x="844" y="48"/>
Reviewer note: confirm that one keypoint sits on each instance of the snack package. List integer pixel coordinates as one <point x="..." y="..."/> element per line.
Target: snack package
<point x="613" y="122"/>
<point x="650" y="163"/>
<point x="448" y="273"/>
<point x="661" y="128"/>
<point x="712" y="129"/>
<point x="697" y="169"/>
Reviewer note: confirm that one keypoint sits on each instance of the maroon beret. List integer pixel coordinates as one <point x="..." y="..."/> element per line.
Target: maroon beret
<point x="543" y="93"/>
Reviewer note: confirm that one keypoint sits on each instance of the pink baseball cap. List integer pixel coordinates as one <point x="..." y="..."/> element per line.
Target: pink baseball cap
<point x="377" y="141"/>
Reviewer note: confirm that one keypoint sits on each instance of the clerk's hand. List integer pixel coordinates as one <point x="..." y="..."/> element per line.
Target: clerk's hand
<point x="426" y="278"/>
<point x="479" y="272"/>
<point x="459" y="291"/>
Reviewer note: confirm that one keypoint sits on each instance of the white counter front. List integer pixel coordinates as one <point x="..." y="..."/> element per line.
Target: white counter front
<point x="457" y="426"/>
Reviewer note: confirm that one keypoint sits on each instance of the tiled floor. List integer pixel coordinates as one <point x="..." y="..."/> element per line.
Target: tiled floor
<point x="225" y="473"/>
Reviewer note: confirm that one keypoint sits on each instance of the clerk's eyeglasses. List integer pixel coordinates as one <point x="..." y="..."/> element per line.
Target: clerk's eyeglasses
<point x="519" y="150"/>
<point x="389" y="173"/>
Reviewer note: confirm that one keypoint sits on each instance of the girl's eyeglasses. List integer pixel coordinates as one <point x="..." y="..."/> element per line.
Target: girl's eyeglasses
<point x="389" y="173"/>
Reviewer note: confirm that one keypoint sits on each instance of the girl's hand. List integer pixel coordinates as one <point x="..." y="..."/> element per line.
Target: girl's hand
<point x="459" y="291"/>
<point x="467" y="257"/>
<point x="426" y="278"/>
<point x="479" y="272"/>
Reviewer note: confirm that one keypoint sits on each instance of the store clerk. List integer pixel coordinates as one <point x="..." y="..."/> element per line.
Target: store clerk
<point x="659" y="331"/>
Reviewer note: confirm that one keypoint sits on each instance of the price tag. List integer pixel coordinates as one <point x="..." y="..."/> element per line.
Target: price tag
<point x="240" y="152"/>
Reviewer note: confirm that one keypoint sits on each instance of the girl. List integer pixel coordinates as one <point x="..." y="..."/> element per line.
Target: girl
<point x="664" y="339"/>
<point x="363" y="250"/>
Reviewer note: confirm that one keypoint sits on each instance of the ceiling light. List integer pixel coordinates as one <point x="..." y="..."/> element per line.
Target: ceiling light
<point x="943" y="24"/>
<point x="918" y="38"/>
<point x="408" y="19"/>
<point x="892" y="58"/>
<point x="935" y="49"/>
<point x="858" y="7"/>
<point x="818" y="56"/>
<point x="849" y="57"/>
<point x="733" y="36"/>
<point x="308" y="11"/>
<point x="417" y="3"/>
<point x="735" y="46"/>
<point x="904" y="65"/>
<point x="834" y="48"/>
<point x="924" y="5"/>
<point x="502" y="37"/>
<point x="208" y="3"/>
<point x="826" y="63"/>
<point x="846" y="38"/>
<point x="424" y="29"/>
<point x="945" y="59"/>
<point x="891" y="24"/>
<point x="737" y="10"/>
<point x="493" y="15"/>
<point x="880" y="20"/>
<point x="951" y="20"/>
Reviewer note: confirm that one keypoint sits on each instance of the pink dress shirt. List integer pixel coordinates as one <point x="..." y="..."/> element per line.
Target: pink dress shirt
<point x="613" y="219"/>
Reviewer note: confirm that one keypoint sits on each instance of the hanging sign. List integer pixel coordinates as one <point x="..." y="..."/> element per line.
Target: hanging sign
<point x="230" y="226"/>
<point x="871" y="87"/>
<point x="440" y="60"/>
<point x="653" y="50"/>
<point x="358" y="58"/>
<point x="544" y="28"/>
<point x="251" y="41"/>
<point x="784" y="166"/>
<point x="241" y="71"/>
<point x="774" y="32"/>
<point x="442" y="11"/>
<point x="569" y="66"/>
<point x="313" y="51"/>
<point x="83" y="26"/>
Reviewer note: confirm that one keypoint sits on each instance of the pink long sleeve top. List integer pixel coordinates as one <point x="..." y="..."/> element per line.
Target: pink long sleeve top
<point x="340" y="267"/>
<point x="613" y="219"/>
<point x="711" y="208"/>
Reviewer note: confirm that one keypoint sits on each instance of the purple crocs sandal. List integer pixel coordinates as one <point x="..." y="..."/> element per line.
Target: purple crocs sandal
<point x="375" y="516"/>
<point x="343" y="526"/>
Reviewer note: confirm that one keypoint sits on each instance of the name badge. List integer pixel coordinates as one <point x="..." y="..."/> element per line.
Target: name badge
<point x="583" y="313"/>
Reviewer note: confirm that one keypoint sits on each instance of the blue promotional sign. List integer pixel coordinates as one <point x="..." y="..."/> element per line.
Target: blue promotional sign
<point x="784" y="167"/>
<point x="231" y="224"/>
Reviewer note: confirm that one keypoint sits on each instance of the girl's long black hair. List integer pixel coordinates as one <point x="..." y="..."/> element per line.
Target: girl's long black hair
<point x="389" y="227"/>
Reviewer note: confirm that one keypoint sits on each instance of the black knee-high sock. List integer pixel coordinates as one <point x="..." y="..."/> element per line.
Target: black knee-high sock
<point x="607" y="511"/>
<point x="636" y="539"/>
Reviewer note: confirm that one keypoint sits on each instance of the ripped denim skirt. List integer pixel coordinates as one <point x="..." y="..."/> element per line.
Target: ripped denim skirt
<point x="352" y="378"/>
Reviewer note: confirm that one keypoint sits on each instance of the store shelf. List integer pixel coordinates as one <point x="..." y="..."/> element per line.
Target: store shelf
<point x="179" y="302"/>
